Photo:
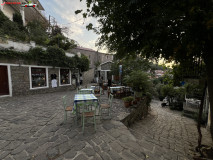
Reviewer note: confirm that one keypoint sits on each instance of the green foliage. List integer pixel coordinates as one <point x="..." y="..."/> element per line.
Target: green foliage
<point x="53" y="56"/>
<point x="38" y="55"/>
<point x="159" y="91"/>
<point x="34" y="31"/>
<point x="18" y="19"/>
<point x="187" y="69"/>
<point x="12" y="29"/>
<point x="62" y="42"/>
<point x="157" y="81"/>
<point x="128" y="99"/>
<point x="180" y="94"/>
<point x="139" y="81"/>
<point x="153" y="28"/>
<point x="97" y="64"/>
<point x="129" y="64"/>
<point x="168" y="77"/>
<point x="56" y="30"/>
<point x="82" y="63"/>
<point x="3" y="18"/>
<point x="168" y="90"/>
<point x="11" y="54"/>
<point x="193" y="90"/>
<point x="37" y="32"/>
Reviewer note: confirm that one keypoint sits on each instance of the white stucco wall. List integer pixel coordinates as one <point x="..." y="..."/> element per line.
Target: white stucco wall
<point x="21" y="46"/>
<point x="8" y="11"/>
<point x="69" y="54"/>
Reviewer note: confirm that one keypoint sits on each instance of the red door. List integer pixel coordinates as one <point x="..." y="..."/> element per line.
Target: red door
<point x="4" y="87"/>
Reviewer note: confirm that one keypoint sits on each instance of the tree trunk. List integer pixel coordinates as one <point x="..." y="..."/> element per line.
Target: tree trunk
<point x="200" y="119"/>
<point x="209" y="69"/>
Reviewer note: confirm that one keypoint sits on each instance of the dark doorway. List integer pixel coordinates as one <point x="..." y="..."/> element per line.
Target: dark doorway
<point x="4" y="86"/>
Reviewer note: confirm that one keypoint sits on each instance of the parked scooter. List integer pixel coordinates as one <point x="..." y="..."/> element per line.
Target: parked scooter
<point x="165" y="102"/>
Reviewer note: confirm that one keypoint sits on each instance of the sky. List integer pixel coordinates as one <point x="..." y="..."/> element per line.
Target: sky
<point x="64" y="13"/>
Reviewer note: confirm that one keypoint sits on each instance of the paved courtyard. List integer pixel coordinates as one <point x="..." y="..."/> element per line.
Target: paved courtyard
<point x="32" y="128"/>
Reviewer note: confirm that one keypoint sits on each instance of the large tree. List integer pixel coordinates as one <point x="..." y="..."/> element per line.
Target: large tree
<point x="176" y="30"/>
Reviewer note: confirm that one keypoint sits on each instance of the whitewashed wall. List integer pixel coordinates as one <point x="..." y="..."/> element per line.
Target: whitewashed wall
<point x="22" y="46"/>
<point x="8" y="11"/>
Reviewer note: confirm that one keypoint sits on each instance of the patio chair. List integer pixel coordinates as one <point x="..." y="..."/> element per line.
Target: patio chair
<point x="88" y="111"/>
<point x="107" y="106"/>
<point x="108" y="91"/>
<point x="97" y="89"/>
<point x="99" y="98"/>
<point x="66" y="108"/>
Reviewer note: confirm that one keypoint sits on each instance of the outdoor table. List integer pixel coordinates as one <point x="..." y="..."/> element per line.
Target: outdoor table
<point x="117" y="88"/>
<point x="79" y="98"/>
<point x="93" y="87"/>
<point x="88" y="89"/>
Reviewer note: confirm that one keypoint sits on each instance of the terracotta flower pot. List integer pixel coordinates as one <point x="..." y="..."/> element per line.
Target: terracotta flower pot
<point x="126" y="104"/>
<point x="135" y="102"/>
<point x="138" y="99"/>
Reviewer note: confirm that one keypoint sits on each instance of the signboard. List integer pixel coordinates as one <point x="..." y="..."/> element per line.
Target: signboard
<point x="120" y="72"/>
<point x="120" y="69"/>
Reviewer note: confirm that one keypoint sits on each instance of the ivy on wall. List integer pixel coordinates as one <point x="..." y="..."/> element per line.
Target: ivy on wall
<point x="53" y="56"/>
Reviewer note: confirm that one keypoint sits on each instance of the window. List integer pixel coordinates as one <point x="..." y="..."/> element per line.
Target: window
<point x="38" y="77"/>
<point x="65" y="76"/>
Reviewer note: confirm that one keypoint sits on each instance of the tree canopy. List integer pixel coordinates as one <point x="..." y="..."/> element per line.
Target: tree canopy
<point x="153" y="28"/>
<point x="129" y="64"/>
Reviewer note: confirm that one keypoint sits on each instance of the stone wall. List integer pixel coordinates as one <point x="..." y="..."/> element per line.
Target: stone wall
<point x="140" y="111"/>
<point x="21" y="82"/>
<point x="103" y="57"/>
<point x="91" y="55"/>
<point x="88" y="76"/>
<point x="106" y="66"/>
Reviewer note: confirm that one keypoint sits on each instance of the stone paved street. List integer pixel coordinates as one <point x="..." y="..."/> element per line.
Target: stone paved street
<point x="166" y="134"/>
<point x="32" y="128"/>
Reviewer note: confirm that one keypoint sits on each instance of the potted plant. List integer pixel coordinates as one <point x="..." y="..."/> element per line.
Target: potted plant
<point x="138" y="96"/>
<point x="127" y="101"/>
<point x="140" y="83"/>
<point x="134" y="101"/>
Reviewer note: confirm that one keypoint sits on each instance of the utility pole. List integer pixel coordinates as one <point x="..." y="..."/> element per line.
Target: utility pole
<point x="49" y="23"/>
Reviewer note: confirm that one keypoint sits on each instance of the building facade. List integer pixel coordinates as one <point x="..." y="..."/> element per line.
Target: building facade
<point x="104" y="71"/>
<point x="23" y="78"/>
<point x="96" y="58"/>
<point x="28" y="13"/>
<point x="19" y="79"/>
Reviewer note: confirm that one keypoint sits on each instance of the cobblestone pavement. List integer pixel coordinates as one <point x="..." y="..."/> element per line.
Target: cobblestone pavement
<point x="166" y="134"/>
<point x="31" y="127"/>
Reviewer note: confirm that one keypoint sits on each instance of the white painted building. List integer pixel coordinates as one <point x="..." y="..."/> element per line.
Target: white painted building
<point x="28" y="13"/>
<point x="19" y="78"/>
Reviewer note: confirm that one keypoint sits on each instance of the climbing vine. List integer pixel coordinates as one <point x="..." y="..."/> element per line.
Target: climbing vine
<point x="53" y="56"/>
